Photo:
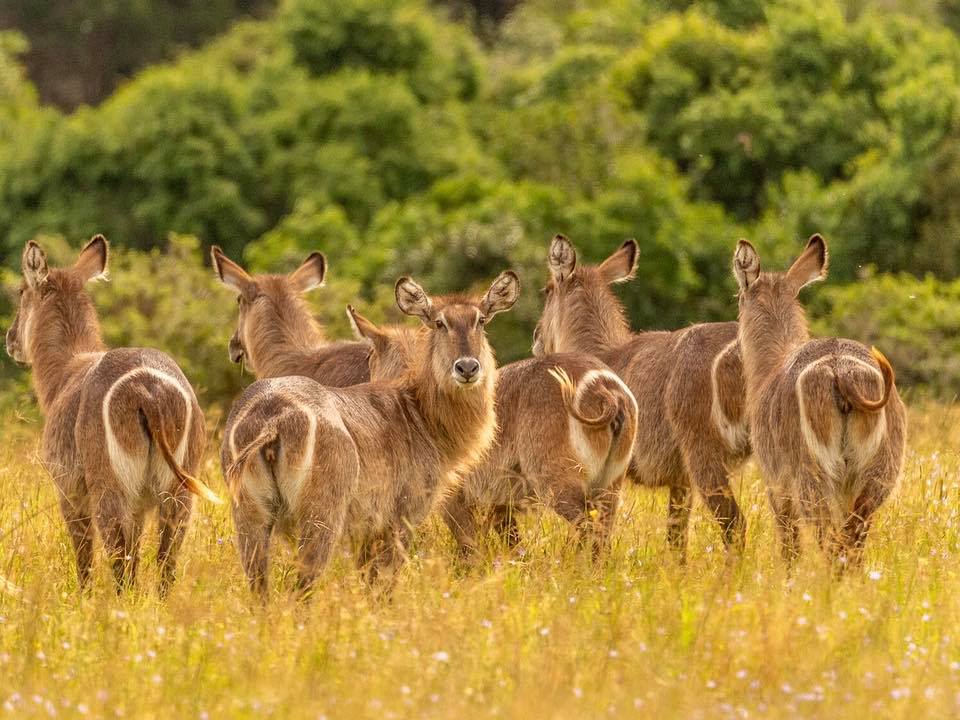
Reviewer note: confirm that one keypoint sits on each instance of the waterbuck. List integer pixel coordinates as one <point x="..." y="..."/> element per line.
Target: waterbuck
<point x="123" y="432"/>
<point x="828" y="425"/>
<point x="566" y="427"/>
<point x="369" y="461"/>
<point x="691" y="423"/>
<point x="277" y="336"/>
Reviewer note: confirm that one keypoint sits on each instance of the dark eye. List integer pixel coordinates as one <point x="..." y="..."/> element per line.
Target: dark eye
<point x="239" y="299"/>
<point x="481" y="321"/>
<point x="439" y="324"/>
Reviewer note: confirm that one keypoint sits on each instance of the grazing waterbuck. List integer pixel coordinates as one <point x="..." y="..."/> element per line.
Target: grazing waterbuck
<point x="123" y="433"/>
<point x="566" y="426"/>
<point x="368" y="461"/>
<point x="688" y="384"/>
<point x="277" y="336"/>
<point x="828" y="425"/>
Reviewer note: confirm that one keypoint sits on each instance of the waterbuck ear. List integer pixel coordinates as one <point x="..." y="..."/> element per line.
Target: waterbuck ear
<point x="34" y="265"/>
<point x="622" y="265"/>
<point x="503" y="293"/>
<point x="92" y="262"/>
<point x="746" y="265"/>
<point x="310" y="274"/>
<point x="811" y="266"/>
<point x="413" y="300"/>
<point x="230" y="274"/>
<point x="562" y="259"/>
<point x="364" y="330"/>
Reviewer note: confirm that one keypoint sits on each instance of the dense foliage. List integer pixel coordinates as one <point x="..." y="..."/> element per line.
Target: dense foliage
<point x="386" y="135"/>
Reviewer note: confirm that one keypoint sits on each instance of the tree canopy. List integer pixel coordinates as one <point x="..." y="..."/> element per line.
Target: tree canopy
<point x="384" y="133"/>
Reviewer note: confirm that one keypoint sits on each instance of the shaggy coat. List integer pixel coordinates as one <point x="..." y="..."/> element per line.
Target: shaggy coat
<point x="566" y="427"/>
<point x="123" y="432"/>
<point x="691" y="424"/>
<point x="277" y="336"/>
<point x="368" y="461"/>
<point x="828" y="425"/>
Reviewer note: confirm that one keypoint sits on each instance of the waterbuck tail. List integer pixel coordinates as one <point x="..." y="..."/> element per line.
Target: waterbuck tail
<point x="611" y="406"/>
<point x="153" y="420"/>
<point x="857" y="401"/>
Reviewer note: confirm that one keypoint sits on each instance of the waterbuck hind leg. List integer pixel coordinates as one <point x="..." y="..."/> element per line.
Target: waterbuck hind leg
<point x="173" y="518"/>
<point x="853" y="535"/>
<point x="322" y="514"/>
<point x="120" y="531"/>
<point x="254" y="528"/>
<point x="708" y="474"/>
<point x="76" y="512"/>
<point x="678" y="518"/>
<point x="788" y="525"/>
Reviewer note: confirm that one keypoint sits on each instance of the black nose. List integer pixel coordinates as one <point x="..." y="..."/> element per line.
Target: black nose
<point x="467" y="368"/>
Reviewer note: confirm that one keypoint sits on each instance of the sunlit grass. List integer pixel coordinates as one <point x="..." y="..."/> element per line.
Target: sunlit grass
<point x="545" y="633"/>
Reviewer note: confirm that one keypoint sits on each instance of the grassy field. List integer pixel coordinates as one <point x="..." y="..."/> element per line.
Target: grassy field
<point x="543" y="633"/>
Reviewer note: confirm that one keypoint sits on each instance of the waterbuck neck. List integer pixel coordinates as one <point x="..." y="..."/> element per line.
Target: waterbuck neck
<point x="282" y="335"/>
<point x="770" y="330"/>
<point x="594" y="320"/>
<point x="64" y="327"/>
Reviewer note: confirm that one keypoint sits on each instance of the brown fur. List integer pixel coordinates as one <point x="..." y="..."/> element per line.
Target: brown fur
<point x="368" y="461"/>
<point x="828" y="425"/>
<point x="573" y="465"/>
<point x="276" y="334"/>
<point x="691" y="425"/>
<point x="110" y="476"/>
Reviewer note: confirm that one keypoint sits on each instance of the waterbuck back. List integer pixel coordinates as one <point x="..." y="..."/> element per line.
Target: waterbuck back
<point x="688" y="384"/>
<point x="829" y="428"/>
<point x="123" y="433"/>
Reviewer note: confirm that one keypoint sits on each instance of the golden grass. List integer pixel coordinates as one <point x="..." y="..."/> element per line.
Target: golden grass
<point x="544" y="633"/>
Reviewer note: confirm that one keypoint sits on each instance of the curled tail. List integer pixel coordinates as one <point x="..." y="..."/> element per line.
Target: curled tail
<point x="612" y="412"/>
<point x="153" y="420"/>
<point x="862" y="404"/>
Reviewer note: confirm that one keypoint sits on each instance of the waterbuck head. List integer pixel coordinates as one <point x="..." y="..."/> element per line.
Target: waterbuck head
<point x="771" y="317"/>
<point x="581" y="313"/>
<point x="54" y="312"/>
<point x="458" y="354"/>
<point x="272" y="312"/>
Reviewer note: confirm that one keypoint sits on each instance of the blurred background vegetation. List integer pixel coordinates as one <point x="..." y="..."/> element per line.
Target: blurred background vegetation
<point x="451" y="139"/>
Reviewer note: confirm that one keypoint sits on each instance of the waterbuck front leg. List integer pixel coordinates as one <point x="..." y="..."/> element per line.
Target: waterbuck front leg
<point x="504" y="520"/>
<point x="788" y="525"/>
<point x="460" y="518"/>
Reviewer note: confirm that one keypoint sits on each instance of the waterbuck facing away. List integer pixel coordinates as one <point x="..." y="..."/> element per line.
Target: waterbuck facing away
<point x="123" y="431"/>
<point x="566" y="426"/>
<point x="368" y="461"/>
<point x="828" y="425"/>
<point x="692" y="425"/>
<point x="276" y="334"/>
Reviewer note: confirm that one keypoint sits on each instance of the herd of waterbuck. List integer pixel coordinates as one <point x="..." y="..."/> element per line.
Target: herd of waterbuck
<point x="362" y="440"/>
